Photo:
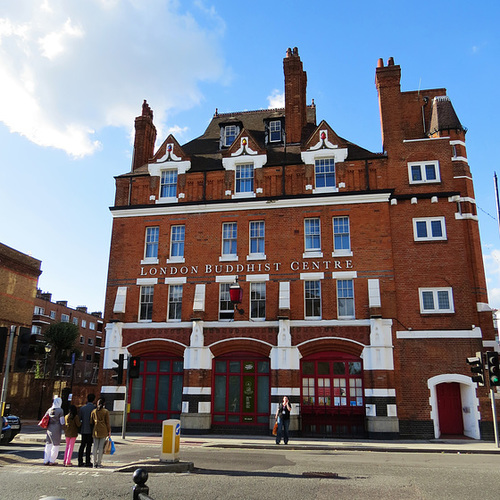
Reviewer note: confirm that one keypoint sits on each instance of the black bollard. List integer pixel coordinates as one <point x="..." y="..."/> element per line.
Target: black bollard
<point x="140" y="490"/>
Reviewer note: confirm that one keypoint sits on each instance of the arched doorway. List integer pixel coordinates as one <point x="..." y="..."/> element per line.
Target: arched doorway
<point x="157" y="394"/>
<point x="241" y="391"/>
<point x="332" y="400"/>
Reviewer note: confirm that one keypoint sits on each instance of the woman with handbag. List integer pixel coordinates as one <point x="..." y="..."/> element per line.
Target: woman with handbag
<point x="54" y="431"/>
<point x="283" y="419"/>
<point x="99" y="418"/>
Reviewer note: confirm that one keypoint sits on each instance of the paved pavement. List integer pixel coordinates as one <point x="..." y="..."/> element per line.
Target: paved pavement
<point x="32" y="433"/>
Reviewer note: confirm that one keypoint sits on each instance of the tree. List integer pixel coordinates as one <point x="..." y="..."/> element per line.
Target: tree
<point x="62" y="337"/>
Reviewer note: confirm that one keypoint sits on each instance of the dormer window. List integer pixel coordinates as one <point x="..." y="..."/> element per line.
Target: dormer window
<point x="244" y="178"/>
<point x="324" y="172"/>
<point x="168" y="184"/>
<point x="229" y="134"/>
<point x="275" y="131"/>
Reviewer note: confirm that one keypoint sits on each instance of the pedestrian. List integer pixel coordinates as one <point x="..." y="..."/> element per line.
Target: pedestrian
<point x="54" y="431"/>
<point x="86" y="432"/>
<point x="100" y="420"/>
<point x="283" y="419"/>
<point x="72" y="424"/>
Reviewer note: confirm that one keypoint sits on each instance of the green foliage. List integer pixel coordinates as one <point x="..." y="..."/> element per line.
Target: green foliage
<point x="62" y="337"/>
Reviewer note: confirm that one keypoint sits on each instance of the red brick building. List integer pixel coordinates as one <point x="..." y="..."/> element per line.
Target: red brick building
<point x="363" y="289"/>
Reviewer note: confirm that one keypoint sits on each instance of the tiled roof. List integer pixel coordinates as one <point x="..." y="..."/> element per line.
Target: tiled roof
<point x="443" y="116"/>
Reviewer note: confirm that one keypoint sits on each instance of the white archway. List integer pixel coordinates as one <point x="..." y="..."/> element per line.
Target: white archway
<point x="470" y="403"/>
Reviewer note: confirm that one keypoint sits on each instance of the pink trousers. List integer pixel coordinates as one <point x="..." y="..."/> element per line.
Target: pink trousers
<point x="70" y="444"/>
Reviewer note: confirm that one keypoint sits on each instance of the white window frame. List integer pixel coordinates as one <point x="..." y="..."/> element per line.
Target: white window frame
<point x="84" y="323"/>
<point x="226" y="314"/>
<point x="435" y="298"/>
<point x="320" y="163"/>
<point x="91" y="326"/>
<point x="90" y="341"/>
<point x="428" y="225"/>
<point x="146" y="292"/>
<point x="275" y="129"/>
<point x="258" y="297"/>
<point x="151" y="242"/>
<point x="170" y="186"/>
<point x="64" y="318"/>
<point x="423" y="172"/>
<point x="341" y="296"/>
<point x="227" y="135"/>
<point x="82" y="339"/>
<point x="36" y="330"/>
<point x="177" y="242"/>
<point x="75" y="321"/>
<point x="40" y="311"/>
<point x="257" y="234"/>
<point x="52" y="315"/>
<point x="308" y="288"/>
<point x="228" y="256"/>
<point x="174" y="303"/>
<point x="312" y="251"/>
<point x="342" y="252"/>
<point x="240" y="181"/>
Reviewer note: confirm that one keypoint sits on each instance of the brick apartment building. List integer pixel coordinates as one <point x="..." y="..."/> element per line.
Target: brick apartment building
<point x="363" y="289"/>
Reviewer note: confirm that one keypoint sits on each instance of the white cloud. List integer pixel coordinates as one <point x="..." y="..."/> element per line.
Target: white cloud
<point x="68" y="69"/>
<point x="492" y="270"/>
<point x="276" y="99"/>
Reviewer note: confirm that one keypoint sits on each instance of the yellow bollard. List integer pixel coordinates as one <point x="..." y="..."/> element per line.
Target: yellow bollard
<point x="171" y="438"/>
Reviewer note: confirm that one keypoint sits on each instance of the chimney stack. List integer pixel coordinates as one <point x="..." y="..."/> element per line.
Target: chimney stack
<point x="295" y="96"/>
<point x="145" y="137"/>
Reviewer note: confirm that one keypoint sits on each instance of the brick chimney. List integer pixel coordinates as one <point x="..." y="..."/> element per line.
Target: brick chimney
<point x="388" y="82"/>
<point x="295" y="96"/>
<point x="145" y="137"/>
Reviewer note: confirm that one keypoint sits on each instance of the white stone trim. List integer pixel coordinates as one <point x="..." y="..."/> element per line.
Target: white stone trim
<point x="146" y="281"/>
<point x="175" y="281"/>
<point x="475" y="333"/>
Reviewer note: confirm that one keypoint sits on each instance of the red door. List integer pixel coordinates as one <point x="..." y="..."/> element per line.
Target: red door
<point x="450" y="408"/>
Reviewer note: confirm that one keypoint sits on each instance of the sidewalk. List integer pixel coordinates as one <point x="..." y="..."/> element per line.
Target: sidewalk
<point x="30" y="432"/>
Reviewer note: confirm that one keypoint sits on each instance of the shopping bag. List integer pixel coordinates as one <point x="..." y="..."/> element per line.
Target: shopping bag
<point x="107" y="446"/>
<point x="44" y="423"/>
<point x="275" y="429"/>
<point x="112" y="451"/>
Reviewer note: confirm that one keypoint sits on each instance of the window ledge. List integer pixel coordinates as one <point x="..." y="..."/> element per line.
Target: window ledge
<point x="342" y="253"/>
<point x="176" y="260"/>
<point x="312" y="255"/>
<point x="325" y="190"/>
<point x="228" y="258"/>
<point x="150" y="260"/>
<point x="172" y="199"/>
<point x="257" y="256"/>
<point x="244" y="195"/>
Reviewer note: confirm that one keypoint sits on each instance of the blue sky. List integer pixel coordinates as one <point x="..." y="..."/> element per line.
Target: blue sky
<point x="74" y="73"/>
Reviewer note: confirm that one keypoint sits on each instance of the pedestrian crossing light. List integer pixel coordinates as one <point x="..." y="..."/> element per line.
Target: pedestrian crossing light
<point x="477" y="369"/>
<point x="493" y="368"/>
<point x="118" y="376"/>
<point x="134" y="367"/>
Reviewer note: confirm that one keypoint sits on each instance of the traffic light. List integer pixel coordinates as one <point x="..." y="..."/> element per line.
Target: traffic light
<point x="493" y="368"/>
<point x="118" y="376"/>
<point x="134" y="367"/>
<point x="23" y="349"/>
<point x="476" y="367"/>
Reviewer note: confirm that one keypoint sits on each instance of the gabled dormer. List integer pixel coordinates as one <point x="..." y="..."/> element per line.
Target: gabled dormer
<point x="229" y="130"/>
<point x="168" y="163"/>
<point x="274" y="129"/>
<point x="324" y="150"/>
<point x="243" y="158"/>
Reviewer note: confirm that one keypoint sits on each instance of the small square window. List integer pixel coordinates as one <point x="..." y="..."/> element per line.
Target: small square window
<point x="91" y="326"/>
<point x="230" y="134"/>
<point x="424" y="172"/>
<point x="429" y="229"/>
<point x="75" y="321"/>
<point x="90" y="341"/>
<point x="436" y="300"/>
<point x="64" y="318"/>
<point x="82" y="339"/>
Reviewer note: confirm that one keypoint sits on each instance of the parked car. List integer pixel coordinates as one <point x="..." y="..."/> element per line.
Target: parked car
<point x="11" y="427"/>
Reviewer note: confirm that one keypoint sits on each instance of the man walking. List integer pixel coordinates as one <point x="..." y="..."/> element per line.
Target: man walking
<point x="86" y="431"/>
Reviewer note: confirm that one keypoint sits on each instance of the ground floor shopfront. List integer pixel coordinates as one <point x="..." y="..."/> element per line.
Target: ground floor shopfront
<point x="338" y="385"/>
